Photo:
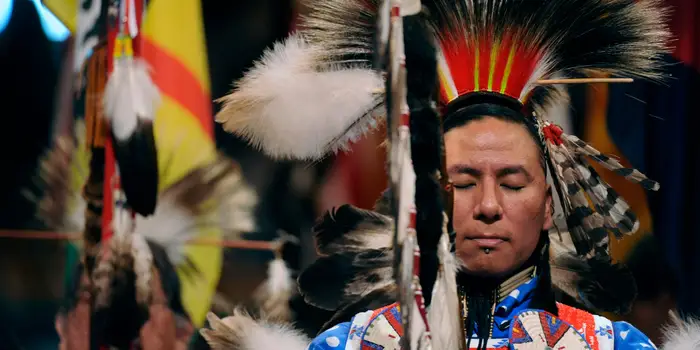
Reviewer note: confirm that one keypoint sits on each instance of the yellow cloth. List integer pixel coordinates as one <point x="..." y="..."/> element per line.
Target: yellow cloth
<point x="173" y="35"/>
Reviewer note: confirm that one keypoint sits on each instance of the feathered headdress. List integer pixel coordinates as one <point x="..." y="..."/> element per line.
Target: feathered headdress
<point x="506" y="52"/>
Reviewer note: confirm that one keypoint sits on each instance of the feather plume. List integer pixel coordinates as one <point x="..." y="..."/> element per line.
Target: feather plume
<point x="220" y="182"/>
<point x="610" y="163"/>
<point x="290" y="107"/>
<point x="127" y="254"/>
<point x="54" y="178"/>
<point x="61" y="175"/>
<point x="242" y="332"/>
<point x="170" y="226"/>
<point x="351" y="229"/>
<point x="356" y="258"/>
<point x="273" y="296"/>
<point x="122" y="281"/>
<point x="444" y="314"/>
<point x="130" y="103"/>
<point x="549" y="38"/>
<point x="212" y="195"/>
<point x="683" y="335"/>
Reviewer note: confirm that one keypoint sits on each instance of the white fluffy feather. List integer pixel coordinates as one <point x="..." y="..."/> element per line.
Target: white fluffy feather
<point x="444" y="313"/>
<point x="273" y="296"/>
<point x="685" y="335"/>
<point x="290" y="109"/>
<point x="130" y="94"/>
<point x="241" y="332"/>
<point x="170" y="226"/>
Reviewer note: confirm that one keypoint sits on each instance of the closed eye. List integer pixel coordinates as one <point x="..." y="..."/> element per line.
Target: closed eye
<point x="463" y="186"/>
<point x="512" y="188"/>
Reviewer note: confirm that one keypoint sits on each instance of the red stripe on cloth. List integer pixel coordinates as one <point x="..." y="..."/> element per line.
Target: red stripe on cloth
<point x="178" y="82"/>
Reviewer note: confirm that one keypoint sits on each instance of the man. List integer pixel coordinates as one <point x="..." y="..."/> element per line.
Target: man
<point x="496" y="64"/>
<point x="501" y="215"/>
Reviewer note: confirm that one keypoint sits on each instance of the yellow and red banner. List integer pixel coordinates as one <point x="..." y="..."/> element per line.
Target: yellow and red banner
<point x="172" y="42"/>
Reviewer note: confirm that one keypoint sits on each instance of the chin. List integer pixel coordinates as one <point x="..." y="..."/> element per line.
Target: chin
<point x="494" y="264"/>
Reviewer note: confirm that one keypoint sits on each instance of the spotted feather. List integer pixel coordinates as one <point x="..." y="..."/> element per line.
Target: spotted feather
<point x="610" y="163"/>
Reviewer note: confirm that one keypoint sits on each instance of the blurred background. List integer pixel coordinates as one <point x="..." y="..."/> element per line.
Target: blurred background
<point x="651" y="127"/>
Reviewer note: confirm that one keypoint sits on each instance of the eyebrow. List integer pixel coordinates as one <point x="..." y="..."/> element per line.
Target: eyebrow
<point x="509" y="170"/>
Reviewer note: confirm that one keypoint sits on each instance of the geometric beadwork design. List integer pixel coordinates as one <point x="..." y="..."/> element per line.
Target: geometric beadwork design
<point x="537" y="330"/>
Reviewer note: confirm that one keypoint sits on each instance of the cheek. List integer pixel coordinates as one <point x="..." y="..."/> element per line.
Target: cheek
<point x="461" y="209"/>
<point x="525" y="209"/>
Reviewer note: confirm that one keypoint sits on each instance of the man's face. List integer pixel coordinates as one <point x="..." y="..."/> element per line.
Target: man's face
<point x="502" y="201"/>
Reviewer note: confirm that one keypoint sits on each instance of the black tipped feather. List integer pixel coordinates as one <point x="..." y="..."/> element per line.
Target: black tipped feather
<point x="346" y="277"/>
<point x="137" y="159"/>
<point x="351" y="229"/>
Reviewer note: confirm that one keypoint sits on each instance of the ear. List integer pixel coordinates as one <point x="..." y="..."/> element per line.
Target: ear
<point x="548" y="210"/>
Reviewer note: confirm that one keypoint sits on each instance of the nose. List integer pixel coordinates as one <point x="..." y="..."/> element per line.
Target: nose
<point x="488" y="208"/>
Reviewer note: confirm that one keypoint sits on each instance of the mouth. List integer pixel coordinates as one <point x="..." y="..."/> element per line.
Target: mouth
<point x="486" y="242"/>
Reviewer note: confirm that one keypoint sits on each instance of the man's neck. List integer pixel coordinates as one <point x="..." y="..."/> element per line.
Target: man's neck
<point x="501" y="287"/>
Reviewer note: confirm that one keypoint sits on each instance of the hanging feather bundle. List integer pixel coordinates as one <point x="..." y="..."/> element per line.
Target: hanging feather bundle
<point x="130" y="102"/>
<point x="151" y="246"/>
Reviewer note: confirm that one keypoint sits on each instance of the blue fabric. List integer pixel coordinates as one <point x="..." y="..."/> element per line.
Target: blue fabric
<point x="333" y="338"/>
<point x="626" y="336"/>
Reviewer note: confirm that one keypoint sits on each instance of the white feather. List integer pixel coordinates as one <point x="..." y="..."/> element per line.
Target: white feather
<point x="241" y="332"/>
<point x="272" y="336"/>
<point x="444" y="314"/>
<point x="170" y="226"/>
<point x="238" y="204"/>
<point x="143" y="262"/>
<point x="130" y="94"/>
<point x="276" y="291"/>
<point x="289" y="108"/>
<point x="684" y="335"/>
